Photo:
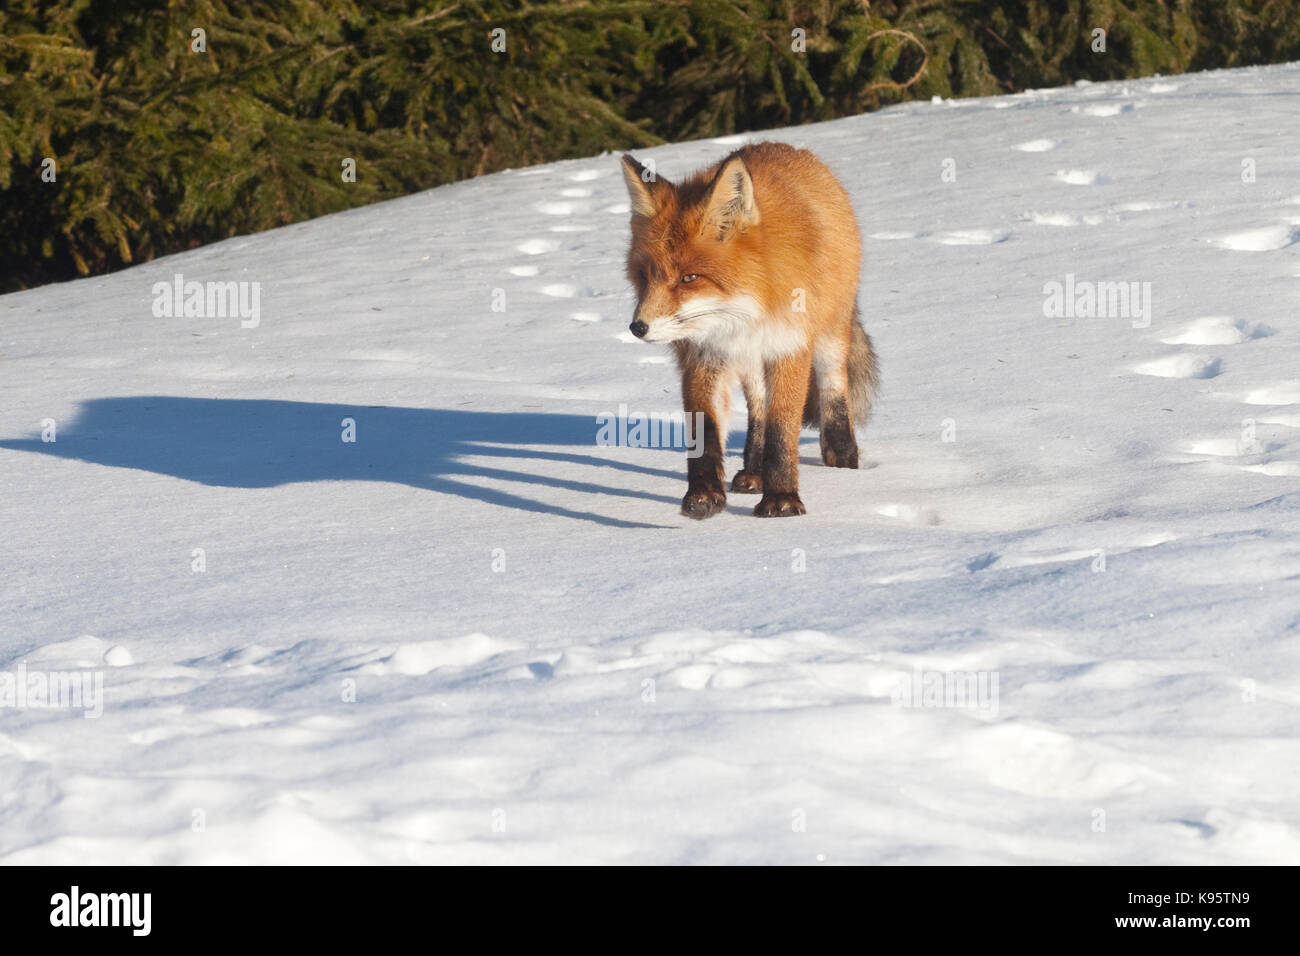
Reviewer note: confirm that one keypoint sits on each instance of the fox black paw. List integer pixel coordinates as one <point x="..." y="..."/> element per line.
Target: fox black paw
<point x="846" y="456"/>
<point x="779" y="506"/>
<point x="747" y="483"/>
<point x="703" y="504"/>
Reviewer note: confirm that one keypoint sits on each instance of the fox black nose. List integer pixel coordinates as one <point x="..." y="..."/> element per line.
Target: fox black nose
<point x="639" y="328"/>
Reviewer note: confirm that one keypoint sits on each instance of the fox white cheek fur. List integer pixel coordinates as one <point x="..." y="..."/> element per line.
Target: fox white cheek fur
<point x="706" y="318"/>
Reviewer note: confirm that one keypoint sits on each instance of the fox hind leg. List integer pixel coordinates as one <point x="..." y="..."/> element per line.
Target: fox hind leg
<point x="787" y="388"/>
<point x="830" y="371"/>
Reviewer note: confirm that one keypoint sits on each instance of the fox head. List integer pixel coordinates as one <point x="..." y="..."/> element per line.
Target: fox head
<point x="691" y="249"/>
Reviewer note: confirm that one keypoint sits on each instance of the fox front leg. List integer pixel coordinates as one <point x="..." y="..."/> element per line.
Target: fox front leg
<point x="706" y="495"/>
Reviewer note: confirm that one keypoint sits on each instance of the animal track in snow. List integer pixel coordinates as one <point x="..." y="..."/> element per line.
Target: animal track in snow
<point x="576" y="192"/>
<point x="524" y="271"/>
<point x="1082" y="177"/>
<point x="556" y="208"/>
<point x="1223" y="448"/>
<point x="1285" y="393"/>
<point x="1063" y="219"/>
<point x="619" y="209"/>
<point x="118" y="656"/>
<point x="1180" y="366"/>
<point x="1104" y="109"/>
<point x="1266" y="239"/>
<point x="1275" y="469"/>
<point x="536" y="247"/>
<point x="1037" y="145"/>
<point x="974" y="237"/>
<point x="1149" y="205"/>
<point x="1219" y="330"/>
<point x="1286" y="421"/>
<point x="560" y="290"/>
<point x="912" y="514"/>
<point x="890" y="236"/>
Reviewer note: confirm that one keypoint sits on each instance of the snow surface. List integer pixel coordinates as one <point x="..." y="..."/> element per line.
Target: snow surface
<point x="549" y="663"/>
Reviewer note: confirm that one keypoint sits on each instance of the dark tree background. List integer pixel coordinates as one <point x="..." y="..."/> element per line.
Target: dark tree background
<point x="158" y="147"/>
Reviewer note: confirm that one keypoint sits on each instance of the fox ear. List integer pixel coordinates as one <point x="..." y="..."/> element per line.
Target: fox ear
<point x="642" y="184"/>
<point x="731" y="203"/>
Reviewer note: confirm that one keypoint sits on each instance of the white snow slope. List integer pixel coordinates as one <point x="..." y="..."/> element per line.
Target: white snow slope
<point x="475" y="636"/>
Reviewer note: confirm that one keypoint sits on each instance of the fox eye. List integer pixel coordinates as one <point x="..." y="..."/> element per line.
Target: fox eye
<point x="689" y="278"/>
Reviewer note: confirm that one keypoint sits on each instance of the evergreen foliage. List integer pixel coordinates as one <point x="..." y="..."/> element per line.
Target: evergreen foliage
<point x="159" y="147"/>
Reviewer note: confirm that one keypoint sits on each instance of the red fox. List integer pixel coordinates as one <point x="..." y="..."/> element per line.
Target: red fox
<point x="750" y="270"/>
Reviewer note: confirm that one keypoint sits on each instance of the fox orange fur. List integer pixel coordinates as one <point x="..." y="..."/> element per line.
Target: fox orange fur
<point x="749" y="269"/>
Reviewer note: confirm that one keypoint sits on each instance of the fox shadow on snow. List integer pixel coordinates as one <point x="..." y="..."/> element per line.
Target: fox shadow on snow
<point x="252" y="443"/>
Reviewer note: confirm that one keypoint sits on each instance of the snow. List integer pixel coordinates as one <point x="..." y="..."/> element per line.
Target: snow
<point x="474" y="635"/>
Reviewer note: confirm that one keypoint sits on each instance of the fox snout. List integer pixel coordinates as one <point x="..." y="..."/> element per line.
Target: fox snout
<point x="651" y="326"/>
